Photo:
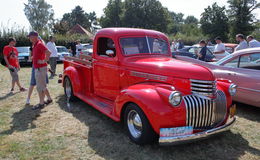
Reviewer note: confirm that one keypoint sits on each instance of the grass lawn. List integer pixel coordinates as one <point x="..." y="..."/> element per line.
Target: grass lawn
<point x="84" y="133"/>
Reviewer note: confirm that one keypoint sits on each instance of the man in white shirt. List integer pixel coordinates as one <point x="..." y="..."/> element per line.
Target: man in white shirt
<point x="252" y="42"/>
<point x="219" y="51"/>
<point x="79" y="48"/>
<point x="242" y="42"/>
<point x="54" y="55"/>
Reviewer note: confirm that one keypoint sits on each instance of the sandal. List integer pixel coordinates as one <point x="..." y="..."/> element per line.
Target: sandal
<point x="22" y="89"/>
<point x="38" y="106"/>
<point x="48" y="101"/>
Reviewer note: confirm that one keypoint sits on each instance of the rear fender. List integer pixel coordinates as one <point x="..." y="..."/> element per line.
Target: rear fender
<point x="73" y="75"/>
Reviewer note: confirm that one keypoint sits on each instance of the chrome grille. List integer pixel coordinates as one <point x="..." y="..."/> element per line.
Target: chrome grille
<point x="204" y="113"/>
<point x="206" y="88"/>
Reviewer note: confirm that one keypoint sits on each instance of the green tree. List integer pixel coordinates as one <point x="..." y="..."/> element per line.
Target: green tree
<point x="61" y="27"/>
<point x="214" y="22"/>
<point x="177" y="17"/>
<point x="241" y="17"/>
<point x="112" y="14"/>
<point x="79" y="16"/>
<point x="39" y="14"/>
<point x="191" y="20"/>
<point x="148" y="14"/>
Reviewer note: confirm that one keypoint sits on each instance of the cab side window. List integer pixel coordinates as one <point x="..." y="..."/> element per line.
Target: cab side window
<point x="105" y="44"/>
<point x="250" y="61"/>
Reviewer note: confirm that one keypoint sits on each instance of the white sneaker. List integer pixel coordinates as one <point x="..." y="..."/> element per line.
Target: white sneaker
<point x="27" y="101"/>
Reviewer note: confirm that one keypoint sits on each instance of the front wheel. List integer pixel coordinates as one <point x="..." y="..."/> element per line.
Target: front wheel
<point x="138" y="127"/>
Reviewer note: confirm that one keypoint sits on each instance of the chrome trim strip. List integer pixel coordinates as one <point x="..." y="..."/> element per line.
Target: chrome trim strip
<point x="148" y="76"/>
<point x="202" y="93"/>
<point x="196" y="136"/>
<point x="203" y="85"/>
<point x="254" y="90"/>
<point x="202" y="81"/>
<point x="202" y="89"/>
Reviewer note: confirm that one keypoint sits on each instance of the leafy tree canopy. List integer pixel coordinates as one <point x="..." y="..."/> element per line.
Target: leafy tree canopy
<point x="39" y="14"/>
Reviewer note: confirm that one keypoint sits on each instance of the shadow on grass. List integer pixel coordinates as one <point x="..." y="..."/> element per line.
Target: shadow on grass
<point x="23" y="120"/>
<point x="109" y="140"/>
<point x="8" y="95"/>
<point x="248" y="112"/>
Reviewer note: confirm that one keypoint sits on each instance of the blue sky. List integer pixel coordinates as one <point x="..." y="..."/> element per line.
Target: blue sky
<point x="12" y="14"/>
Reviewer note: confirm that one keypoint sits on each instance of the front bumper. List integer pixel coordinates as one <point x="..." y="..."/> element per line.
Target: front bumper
<point x="196" y="136"/>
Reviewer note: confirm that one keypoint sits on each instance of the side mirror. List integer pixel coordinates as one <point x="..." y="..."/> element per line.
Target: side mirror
<point x="110" y="53"/>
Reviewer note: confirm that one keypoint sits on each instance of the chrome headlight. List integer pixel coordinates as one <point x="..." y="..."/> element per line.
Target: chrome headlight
<point x="175" y="98"/>
<point x="232" y="89"/>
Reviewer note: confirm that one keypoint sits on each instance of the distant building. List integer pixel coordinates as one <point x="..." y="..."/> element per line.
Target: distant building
<point x="78" y="29"/>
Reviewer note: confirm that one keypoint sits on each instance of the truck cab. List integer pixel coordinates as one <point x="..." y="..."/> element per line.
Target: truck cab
<point x="132" y="78"/>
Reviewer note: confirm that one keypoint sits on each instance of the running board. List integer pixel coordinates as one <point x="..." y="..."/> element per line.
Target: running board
<point x="104" y="106"/>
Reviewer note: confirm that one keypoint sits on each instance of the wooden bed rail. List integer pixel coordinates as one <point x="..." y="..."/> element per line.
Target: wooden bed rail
<point x="83" y="59"/>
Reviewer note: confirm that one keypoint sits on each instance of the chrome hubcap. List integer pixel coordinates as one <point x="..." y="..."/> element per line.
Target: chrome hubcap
<point x="68" y="88"/>
<point x="134" y="124"/>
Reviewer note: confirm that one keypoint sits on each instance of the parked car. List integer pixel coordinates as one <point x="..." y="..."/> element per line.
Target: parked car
<point x="131" y="77"/>
<point x="242" y="68"/>
<point x="87" y="49"/>
<point x="23" y="55"/>
<point x="191" y="52"/>
<point x="230" y="47"/>
<point x="63" y="52"/>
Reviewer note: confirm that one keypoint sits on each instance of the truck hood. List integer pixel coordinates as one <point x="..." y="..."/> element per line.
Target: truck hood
<point x="169" y="67"/>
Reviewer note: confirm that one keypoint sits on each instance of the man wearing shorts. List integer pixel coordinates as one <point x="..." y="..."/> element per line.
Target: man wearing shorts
<point x="12" y="62"/>
<point x="40" y="57"/>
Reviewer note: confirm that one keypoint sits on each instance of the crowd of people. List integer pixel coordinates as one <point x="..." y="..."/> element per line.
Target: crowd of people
<point x="40" y="55"/>
<point x="219" y="49"/>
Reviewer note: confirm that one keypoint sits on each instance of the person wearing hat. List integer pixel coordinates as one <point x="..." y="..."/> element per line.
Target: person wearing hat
<point x="40" y="57"/>
<point x="12" y="63"/>
<point x="54" y="55"/>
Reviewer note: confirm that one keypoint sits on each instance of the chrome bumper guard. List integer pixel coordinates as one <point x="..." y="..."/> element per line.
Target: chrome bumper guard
<point x="196" y="136"/>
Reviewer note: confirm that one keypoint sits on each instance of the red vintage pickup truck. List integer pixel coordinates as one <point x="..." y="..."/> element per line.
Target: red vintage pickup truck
<point x="132" y="78"/>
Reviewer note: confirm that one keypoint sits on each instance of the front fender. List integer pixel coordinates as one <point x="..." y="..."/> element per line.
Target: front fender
<point x="152" y="98"/>
<point x="73" y="75"/>
<point x="223" y="85"/>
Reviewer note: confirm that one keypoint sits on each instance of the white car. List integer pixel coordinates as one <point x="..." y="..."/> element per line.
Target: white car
<point x="87" y="49"/>
<point x="63" y="52"/>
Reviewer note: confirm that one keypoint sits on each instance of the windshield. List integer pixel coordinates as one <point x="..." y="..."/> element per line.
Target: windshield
<point x="85" y="47"/>
<point x="223" y="59"/>
<point x="140" y="45"/>
<point x="23" y="49"/>
<point x="62" y="49"/>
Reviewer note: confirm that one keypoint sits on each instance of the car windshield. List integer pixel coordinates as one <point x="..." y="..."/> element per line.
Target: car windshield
<point x="62" y="49"/>
<point x="85" y="47"/>
<point x="140" y="45"/>
<point x="23" y="49"/>
<point x="223" y="59"/>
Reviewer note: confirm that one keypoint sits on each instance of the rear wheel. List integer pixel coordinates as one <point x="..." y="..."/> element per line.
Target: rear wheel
<point x="137" y="125"/>
<point x="68" y="89"/>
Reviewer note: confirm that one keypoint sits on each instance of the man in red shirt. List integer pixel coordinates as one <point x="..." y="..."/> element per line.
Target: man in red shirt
<point x="40" y="57"/>
<point x="12" y="62"/>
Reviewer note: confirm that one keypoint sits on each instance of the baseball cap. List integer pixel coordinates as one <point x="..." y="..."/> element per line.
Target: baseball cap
<point x="33" y="33"/>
